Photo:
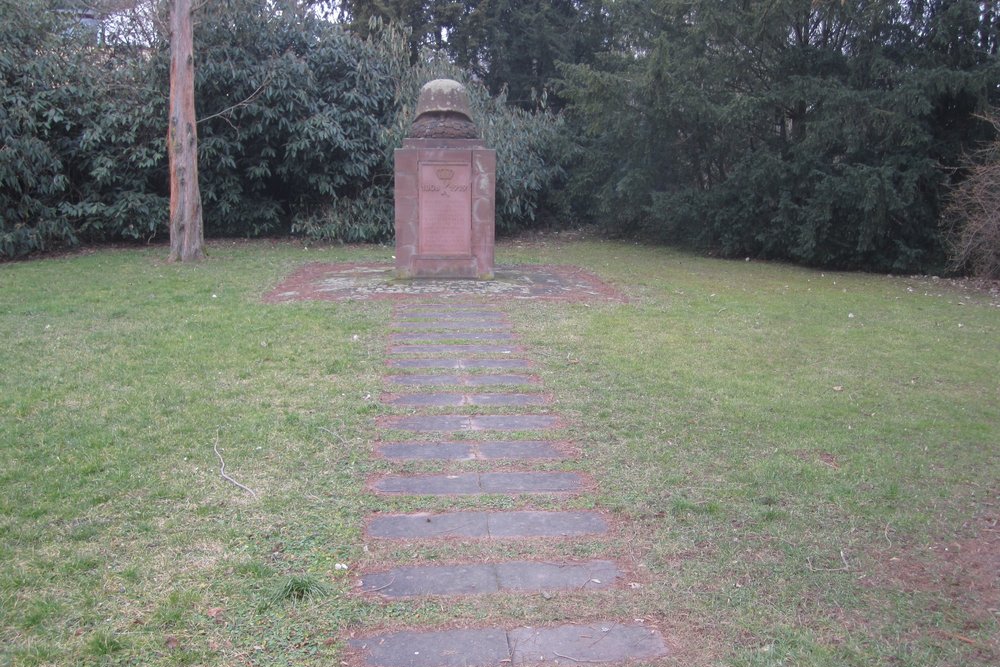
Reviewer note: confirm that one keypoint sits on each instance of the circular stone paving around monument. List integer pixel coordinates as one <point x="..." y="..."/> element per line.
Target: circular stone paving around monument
<point x="369" y="281"/>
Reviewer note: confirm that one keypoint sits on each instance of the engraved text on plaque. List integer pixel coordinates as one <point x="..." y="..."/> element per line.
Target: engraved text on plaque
<point x="445" y="204"/>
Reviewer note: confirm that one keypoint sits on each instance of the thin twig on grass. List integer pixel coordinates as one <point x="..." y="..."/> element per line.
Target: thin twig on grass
<point x="843" y="558"/>
<point x="222" y="470"/>
<point x="381" y="588"/>
<point x="962" y="638"/>
<point x="334" y="434"/>
<point x="569" y="657"/>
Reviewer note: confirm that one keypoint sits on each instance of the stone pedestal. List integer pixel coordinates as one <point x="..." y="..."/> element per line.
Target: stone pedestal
<point x="444" y="190"/>
<point x="445" y="218"/>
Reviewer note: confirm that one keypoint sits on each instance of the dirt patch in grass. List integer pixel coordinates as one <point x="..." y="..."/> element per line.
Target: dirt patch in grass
<point x="966" y="571"/>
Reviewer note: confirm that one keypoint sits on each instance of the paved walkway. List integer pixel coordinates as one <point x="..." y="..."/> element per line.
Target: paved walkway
<point x="436" y="345"/>
<point x="356" y="281"/>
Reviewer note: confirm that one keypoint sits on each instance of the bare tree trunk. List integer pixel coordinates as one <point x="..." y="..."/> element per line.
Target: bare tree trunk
<point x="187" y="236"/>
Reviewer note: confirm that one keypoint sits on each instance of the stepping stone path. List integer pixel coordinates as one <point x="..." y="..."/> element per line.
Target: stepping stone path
<point x="436" y="345"/>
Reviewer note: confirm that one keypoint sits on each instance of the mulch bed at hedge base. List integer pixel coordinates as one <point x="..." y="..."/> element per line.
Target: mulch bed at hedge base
<point x="361" y="281"/>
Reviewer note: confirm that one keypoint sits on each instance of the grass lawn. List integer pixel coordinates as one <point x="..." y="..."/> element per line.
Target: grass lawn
<point x="803" y="466"/>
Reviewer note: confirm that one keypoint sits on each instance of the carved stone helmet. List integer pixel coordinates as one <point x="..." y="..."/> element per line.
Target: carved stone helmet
<point x="443" y="112"/>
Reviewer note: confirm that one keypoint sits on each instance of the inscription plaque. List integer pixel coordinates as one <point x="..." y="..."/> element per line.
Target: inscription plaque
<point x="445" y="205"/>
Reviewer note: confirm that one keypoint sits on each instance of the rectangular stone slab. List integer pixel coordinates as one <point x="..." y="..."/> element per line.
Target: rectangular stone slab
<point x="430" y="451"/>
<point x="457" y="337"/>
<point x="492" y="380"/>
<point x="463" y="319"/>
<point x="429" y="526"/>
<point x="450" y="313"/>
<point x="513" y="422"/>
<point x="608" y="642"/>
<point x="448" y="648"/>
<point x="597" y="643"/>
<point x="476" y="483"/>
<point x="467" y="451"/>
<point x="486" y="578"/>
<point x="455" y="349"/>
<point x="430" y="423"/>
<point x="450" y="399"/>
<point x="523" y="524"/>
<point x="526" y="524"/>
<point x="534" y="576"/>
<point x="507" y="399"/>
<point x="531" y="482"/>
<point x="456" y="380"/>
<point x="519" y="449"/>
<point x="459" y="364"/>
<point x="421" y="580"/>
<point x="429" y="485"/>
<point x="491" y="325"/>
<point x="434" y="399"/>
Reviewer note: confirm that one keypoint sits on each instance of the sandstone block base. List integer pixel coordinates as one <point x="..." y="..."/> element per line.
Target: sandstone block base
<point x="445" y="215"/>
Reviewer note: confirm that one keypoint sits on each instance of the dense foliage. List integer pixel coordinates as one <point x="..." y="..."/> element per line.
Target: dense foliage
<point x="511" y="46"/>
<point x="298" y="121"/>
<point x="820" y="132"/>
<point x="825" y="132"/>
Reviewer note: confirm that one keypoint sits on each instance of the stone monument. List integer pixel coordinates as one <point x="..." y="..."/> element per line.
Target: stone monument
<point x="445" y="183"/>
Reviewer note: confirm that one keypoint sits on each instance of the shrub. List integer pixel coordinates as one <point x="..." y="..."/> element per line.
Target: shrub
<point x="973" y="212"/>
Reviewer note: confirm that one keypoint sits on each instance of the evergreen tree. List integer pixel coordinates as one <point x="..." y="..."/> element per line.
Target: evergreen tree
<point x="807" y="130"/>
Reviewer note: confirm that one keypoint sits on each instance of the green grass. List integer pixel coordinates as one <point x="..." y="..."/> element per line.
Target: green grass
<point x="775" y="443"/>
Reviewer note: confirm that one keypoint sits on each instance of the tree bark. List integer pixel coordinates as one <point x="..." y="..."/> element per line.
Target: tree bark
<point x="187" y="236"/>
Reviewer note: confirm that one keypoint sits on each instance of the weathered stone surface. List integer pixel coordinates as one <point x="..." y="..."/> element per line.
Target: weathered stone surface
<point x="513" y="422"/>
<point x="443" y="96"/>
<point x="460" y="364"/>
<point x="426" y="380"/>
<point x="464" y="380"/>
<point x="447" y="648"/>
<point x="598" y="643"/>
<point x="451" y="399"/>
<point x="466" y="451"/>
<point x="425" y="423"/>
<point x="429" y="526"/>
<point x="461" y="325"/>
<point x="514" y="483"/>
<point x="519" y="449"/>
<point x="526" y="524"/>
<point x="463" y="337"/>
<point x="497" y="525"/>
<point x="497" y="380"/>
<point x="443" y="126"/>
<point x="428" y="423"/>
<point x="507" y="399"/>
<point x="609" y="642"/>
<point x="436" y="399"/>
<point x="452" y="315"/>
<point x="429" y="485"/>
<point x="444" y="192"/>
<point x="363" y="281"/>
<point x="534" y="576"/>
<point x="404" y="582"/>
<point x="485" y="578"/>
<point x="455" y="349"/>
<point x="428" y="451"/>
<point x="531" y="482"/>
